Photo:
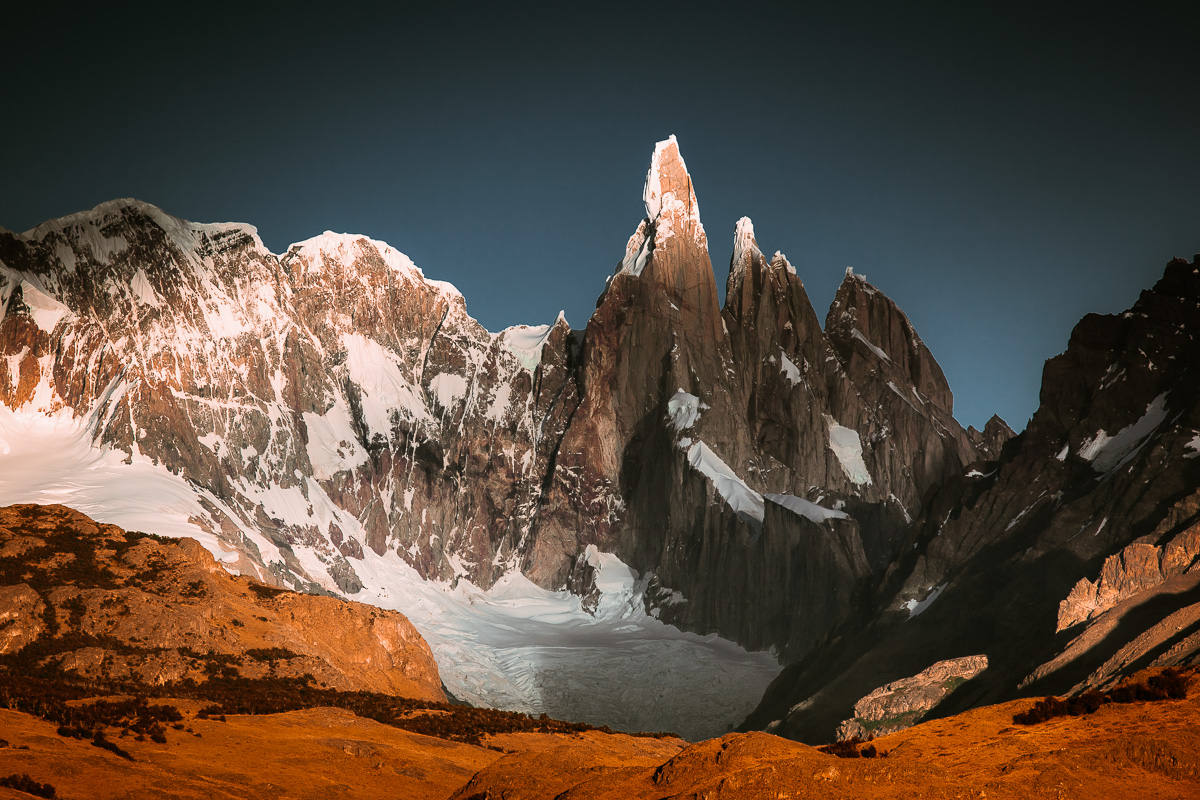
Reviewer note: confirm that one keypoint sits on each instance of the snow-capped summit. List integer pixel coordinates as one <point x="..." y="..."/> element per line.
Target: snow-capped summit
<point x="331" y="248"/>
<point x="666" y="157"/>
<point x="745" y="248"/>
<point x="669" y="197"/>
<point x="102" y="232"/>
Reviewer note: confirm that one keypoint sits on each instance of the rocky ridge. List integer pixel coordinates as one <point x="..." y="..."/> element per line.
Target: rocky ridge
<point x="1000" y="561"/>
<point x="1138" y="567"/>
<point x="98" y="604"/>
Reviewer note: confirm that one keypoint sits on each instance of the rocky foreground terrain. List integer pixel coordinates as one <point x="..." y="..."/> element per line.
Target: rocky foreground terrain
<point x="95" y="603"/>
<point x="136" y="667"/>
<point x="1142" y="750"/>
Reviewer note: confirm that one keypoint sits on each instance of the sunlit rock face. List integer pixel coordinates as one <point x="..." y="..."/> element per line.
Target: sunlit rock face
<point x="903" y="703"/>
<point x="334" y="409"/>
<point x="127" y="607"/>
<point x="332" y="399"/>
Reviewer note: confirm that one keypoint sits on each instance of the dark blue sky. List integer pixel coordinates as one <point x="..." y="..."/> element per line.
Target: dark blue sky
<point x="998" y="172"/>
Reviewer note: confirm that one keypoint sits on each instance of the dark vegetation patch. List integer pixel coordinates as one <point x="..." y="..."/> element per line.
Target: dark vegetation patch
<point x="852" y="748"/>
<point x="271" y="654"/>
<point x="1170" y="684"/>
<point x="56" y="697"/>
<point x="194" y="589"/>
<point x="265" y="592"/>
<point x="905" y="719"/>
<point x="68" y="556"/>
<point x="31" y="682"/>
<point x="26" y="784"/>
<point x="273" y="695"/>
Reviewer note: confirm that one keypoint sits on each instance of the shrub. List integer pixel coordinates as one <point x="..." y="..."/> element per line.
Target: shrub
<point x="99" y="741"/>
<point x="26" y="784"/>
<point x="844" y="749"/>
<point x="1170" y="684"/>
<point x="265" y="592"/>
<point x="271" y="654"/>
<point x="193" y="589"/>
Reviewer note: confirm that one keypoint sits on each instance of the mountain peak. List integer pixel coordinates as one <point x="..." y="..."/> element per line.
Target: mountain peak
<point x="341" y="250"/>
<point x="669" y="197"/>
<point x="745" y="247"/>
<point x="865" y="321"/>
<point x="666" y="163"/>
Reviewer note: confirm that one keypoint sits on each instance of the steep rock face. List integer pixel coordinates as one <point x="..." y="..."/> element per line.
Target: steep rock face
<point x="319" y="400"/>
<point x="21" y="623"/>
<point x="656" y="329"/>
<point x="686" y="419"/>
<point x="991" y="440"/>
<point x="1106" y="461"/>
<point x="788" y="375"/>
<point x="1130" y="572"/>
<point x="919" y="445"/>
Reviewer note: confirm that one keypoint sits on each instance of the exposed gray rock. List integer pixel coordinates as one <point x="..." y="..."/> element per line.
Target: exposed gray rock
<point x="903" y="703"/>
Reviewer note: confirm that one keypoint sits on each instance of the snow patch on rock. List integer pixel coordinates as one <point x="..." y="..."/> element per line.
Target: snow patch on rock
<point x="526" y="343"/>
<point x="857" y="334"/>
<point x="448" y="389"/>
<point x="500" y="401"/>
<point x="744" y="245"/>
<point x="45" y="310"/>
<point x="917" y="607"/>
<point x="1108" y="453"/>
<point x="790" y="371"/>
<point x="847" y="446"/>
<point x="142" y="289"/>
<point x="737" y="494"/>
<point x="1194" y="445"/>
<point x="380" y="377"/>
<point x="806" y="508"/>
<point x="637" y="251"/>
<point x="332" y="444"/>
<point x="683" y="410"/>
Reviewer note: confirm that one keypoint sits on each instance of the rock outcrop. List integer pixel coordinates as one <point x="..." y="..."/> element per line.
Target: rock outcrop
<point x="103" y="604"/>
<point x="903" y="703"/>
<point x="1138" y="567"/>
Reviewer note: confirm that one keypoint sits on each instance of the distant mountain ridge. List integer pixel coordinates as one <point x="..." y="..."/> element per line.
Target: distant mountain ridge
<point x="786" y="485"/>
<point x="333" y="401"/>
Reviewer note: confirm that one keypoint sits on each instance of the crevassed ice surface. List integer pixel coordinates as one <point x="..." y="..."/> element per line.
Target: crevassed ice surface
<point x="516" y="646"/>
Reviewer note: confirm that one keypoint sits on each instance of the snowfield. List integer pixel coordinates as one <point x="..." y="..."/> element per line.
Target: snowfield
<point x="516" y="646"/>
